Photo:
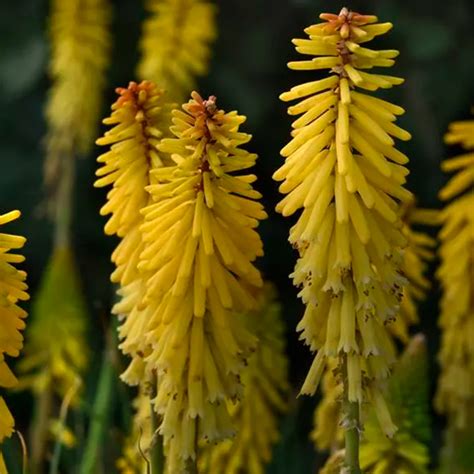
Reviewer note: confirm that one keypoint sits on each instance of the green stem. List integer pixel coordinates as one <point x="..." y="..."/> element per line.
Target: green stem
<point x="54" y="466"/>
<point x="157" y="458"/>
<point x="63" y="201"/>
<point x="351" y="436"/>
<point x="39" y="432"/>
<point x="100" y="411"/>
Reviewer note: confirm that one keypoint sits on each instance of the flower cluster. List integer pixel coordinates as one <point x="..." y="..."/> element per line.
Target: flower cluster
<point x="80" y="49"/>
<point x="265" y="381"/>
<point x="343" y="170"/>
<point x="12" y="290"/>
<point x="139" y="120"/>
<point x="188" y="240"/>
<point x="176" y="44"/>
<point x="200" y="242"/>
<point x="456" y="274"/>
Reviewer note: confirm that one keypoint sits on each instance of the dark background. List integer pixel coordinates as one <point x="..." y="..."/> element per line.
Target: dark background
<point x="248" y="72"/>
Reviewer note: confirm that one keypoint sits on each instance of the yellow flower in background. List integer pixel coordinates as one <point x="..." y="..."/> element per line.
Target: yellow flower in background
<point x="327" y="431"/>
<point x="416" y="257"/>
<point x="140" y="118"/>
<point x="265" y="383"/>
<point x="343" y="170"/>
<point x="13" y="289"/>
<point x="56" y="352"/>
<point x="456" y="275"/>
<point x="175" y="45"/>
<point x="200" y="242"/>
<point x="408" y="395"/>
<point x="80" y="46"/>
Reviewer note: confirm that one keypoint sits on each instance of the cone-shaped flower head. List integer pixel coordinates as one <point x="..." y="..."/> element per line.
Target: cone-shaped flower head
<point x="343" y="170"/>
<point x="175" y="45"/>
<point x="12" y="290"/>
<point x="56" y="348"/>
<point x="80" y="43"/>
<point x="200" y="242"/>
<point x="140" y="118"/>
<point x="408" y="395"/>
<point x="255" y="417"/>
<point x="456" y="275"/>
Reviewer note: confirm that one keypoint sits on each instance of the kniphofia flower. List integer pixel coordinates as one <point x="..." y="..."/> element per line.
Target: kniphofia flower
<point x="255" y="417"/>
<point x="13" y="290"/>
<point x="175" y="44"/>
<point x="343" y="170"/>
<point x="80" y="44"/>
<point x="456" y="275"/>
<point x="140" y="118"/>
<point x="200" y="244"/>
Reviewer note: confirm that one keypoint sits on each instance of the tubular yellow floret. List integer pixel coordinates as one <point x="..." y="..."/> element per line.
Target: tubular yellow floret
<point x="456" y="275"/>
<point x="80" y="48"/>
<point x="175" y="45"/>
<point x="265" y="386"/>
<point x="139" y="120"/>
<point x="200" y="242"/>
<point x="13" y="290"/>
<point x="343" y="170"/>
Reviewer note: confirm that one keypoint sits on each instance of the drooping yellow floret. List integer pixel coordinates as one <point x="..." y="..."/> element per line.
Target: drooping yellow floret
<point x="255" y="416"/>
<point x="327" y="432"/>
<point x="13" y="289"/>
<point x="140" y="118"/>
<point x="343" y="170"/>
<point x="80" y="43"/>
<point x="175" y="45"/>
<point x="200" y="242"/>
<point x="56" y="350"/>
<point x="456" y="275"/>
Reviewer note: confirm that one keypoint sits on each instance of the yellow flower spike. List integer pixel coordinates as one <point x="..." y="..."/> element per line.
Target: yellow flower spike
<point x="140" y="118"/>
<point x="175" y="46"/>
<point x="56" y="351"/>
<point x="343" y="170"/>
<point x="200" y="242"/>
<point x="13" y="290"/>
<point x="456" y="357"/>
<point x="80" y="43"/>
<point x="265" y="382"/>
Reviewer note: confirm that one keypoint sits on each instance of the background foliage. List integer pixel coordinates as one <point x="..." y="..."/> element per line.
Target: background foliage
<point x="248" y="72"/>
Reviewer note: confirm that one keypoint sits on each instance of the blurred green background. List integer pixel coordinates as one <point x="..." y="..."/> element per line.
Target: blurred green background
<point x="248" y="72"/>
